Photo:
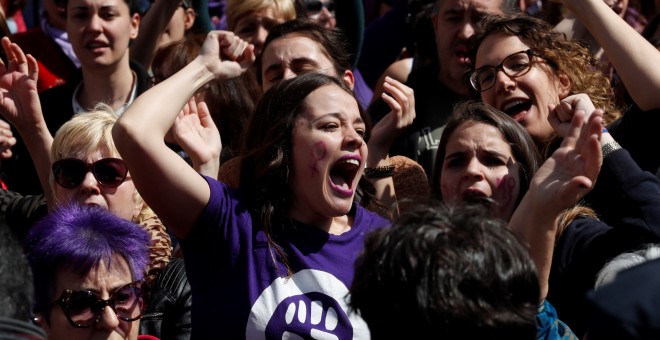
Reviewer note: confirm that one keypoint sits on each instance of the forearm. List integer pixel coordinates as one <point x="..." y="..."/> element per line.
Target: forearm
<point x="536" y="228"/>
<point x="152" y="26"/>
<point x="159" y="106"/>
<point x="38" y="142"/>
<point x="634" y="58"/>
<point x="377" y="165"/>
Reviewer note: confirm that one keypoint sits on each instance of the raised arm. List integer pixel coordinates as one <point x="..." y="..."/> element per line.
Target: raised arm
<point x="153" y="24"/>
<point x="634" y="58"/>
<point x="172" y="188"/>
<point x="19" y="104"/>
<point x="401" y="100"/>
<point x="560" y="183"/>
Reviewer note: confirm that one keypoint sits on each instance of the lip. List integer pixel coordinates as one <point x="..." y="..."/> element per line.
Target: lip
<point x="520" y="116"/>
<point x="472" y="193"/>
<point x="93" y="204"/>
<point x="461" y="54"/>
<point x="96" y="45"/>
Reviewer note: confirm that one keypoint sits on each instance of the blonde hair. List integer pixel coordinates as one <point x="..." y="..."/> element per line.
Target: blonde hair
<point x="237" y="9"/>
<point x="88" y="132"/>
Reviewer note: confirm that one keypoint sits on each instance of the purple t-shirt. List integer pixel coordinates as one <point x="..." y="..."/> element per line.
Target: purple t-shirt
<point x="238" y="292"/>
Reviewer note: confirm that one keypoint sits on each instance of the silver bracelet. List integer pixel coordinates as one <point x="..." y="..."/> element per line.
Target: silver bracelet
<point x="610" y="147"/>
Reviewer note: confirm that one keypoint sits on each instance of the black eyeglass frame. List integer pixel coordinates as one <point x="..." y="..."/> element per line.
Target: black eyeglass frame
<point x="57" y="169"/>
<point x="472" y="76"/>
<point x="100" y="304"/>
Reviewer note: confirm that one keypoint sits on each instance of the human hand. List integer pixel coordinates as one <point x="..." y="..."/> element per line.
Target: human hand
<point x="19" y="99"/>
<point x="401" y="100"/>
<point x="561" y="115"/>
<point x="195" y="131"/>
<point x="571" y="171"/>
<point x="7" y="139"/>
<point x="226" y="55"/>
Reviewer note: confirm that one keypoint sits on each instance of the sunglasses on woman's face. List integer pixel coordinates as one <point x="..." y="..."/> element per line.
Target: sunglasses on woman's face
<point x="83" y="308"/>
<point x="316" y="6"/>
<point x="109" y="172"/>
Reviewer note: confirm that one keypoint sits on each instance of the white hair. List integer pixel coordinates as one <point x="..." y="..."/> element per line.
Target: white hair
<point x="624" y="261"/>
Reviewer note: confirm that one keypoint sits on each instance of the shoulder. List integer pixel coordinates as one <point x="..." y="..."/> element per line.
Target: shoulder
<point x="368" y="220"/>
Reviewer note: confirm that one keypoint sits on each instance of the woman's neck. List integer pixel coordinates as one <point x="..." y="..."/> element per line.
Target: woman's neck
<point x="112" y="87"/>
<point x="332" y="225"/>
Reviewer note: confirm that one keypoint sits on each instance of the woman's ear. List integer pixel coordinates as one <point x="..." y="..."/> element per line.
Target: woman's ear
<point x="135" y="25"/>
<point x="563" y="85"/>
<point x="189" y="18"/>
<point x="349" y="79"/>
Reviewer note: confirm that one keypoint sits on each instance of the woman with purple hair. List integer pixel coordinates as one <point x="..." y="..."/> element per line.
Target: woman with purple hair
<point x="85" y="259"/>
<point x="81" y="165"/>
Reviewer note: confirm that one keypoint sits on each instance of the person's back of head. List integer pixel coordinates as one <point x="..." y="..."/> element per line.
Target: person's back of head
<point x="446" y="272"/>
<point x="16" y="288"/>
<point x="624" y="261"/>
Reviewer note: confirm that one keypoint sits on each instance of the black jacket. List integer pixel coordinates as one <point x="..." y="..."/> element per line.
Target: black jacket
<point x="168" y="313"/>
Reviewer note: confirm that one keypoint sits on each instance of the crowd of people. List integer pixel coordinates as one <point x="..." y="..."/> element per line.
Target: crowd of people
<point x="330" y="169"/>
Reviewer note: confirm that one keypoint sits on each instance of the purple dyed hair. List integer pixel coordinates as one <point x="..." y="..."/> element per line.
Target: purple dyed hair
<point x="79" y="238"/>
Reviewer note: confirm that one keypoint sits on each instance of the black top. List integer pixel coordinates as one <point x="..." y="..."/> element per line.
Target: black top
<point x="586" y="245"/>
<point x="168" y="312"/>
<point x="434" y="104"/>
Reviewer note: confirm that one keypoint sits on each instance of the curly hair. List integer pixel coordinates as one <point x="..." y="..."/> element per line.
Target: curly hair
<point x="565" y="57"/>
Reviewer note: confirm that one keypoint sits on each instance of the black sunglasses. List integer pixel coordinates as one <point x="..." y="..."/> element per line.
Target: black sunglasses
<point x="109" y="172"/>
<point x="317" y="6"/>
<point x="84" y="308"/>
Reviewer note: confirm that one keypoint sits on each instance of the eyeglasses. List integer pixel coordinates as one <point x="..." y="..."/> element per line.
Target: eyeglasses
<point x="515" y="65"/>
<point x="84" y="308"/>
<point x="317" y="6"/>
<point x="109" y="172"/>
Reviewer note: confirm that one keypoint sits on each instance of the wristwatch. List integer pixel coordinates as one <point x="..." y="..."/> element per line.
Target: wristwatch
<point x="610" y="147"/>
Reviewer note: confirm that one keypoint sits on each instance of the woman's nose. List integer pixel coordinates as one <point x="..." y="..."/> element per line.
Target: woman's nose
<point x="474" y="170"/>
<point x="108" y="320"/>
<point x="89" y="184"/>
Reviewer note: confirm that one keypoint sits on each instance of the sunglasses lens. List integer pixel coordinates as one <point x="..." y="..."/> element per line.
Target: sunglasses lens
<point x="128" y="303"/>
<point x="110" y="172"/>
<point x="314" y="6"/>
<point x="80" y="308"/>
<point x="330" y="6"/>
<point x="69" y="172"/>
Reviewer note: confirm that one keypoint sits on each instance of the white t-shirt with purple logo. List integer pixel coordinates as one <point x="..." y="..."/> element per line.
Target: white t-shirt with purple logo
<point x="238" y="292"/>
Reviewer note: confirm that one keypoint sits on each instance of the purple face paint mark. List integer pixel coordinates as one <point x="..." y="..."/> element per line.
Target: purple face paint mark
<point x="318" y="153"/>
<point x="506" y="187"/>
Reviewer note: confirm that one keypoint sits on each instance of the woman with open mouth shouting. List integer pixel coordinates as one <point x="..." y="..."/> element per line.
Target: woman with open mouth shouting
<point x="274" y="257"/>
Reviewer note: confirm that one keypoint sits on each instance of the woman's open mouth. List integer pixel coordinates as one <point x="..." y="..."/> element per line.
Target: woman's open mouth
<point x="343" y="173"/>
